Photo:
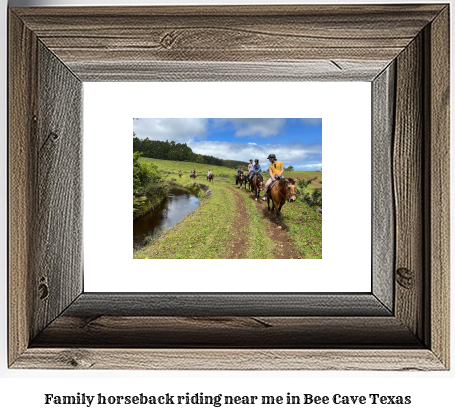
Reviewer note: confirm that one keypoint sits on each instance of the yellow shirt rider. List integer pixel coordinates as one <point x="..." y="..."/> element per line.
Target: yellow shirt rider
<point x="276" y="169"/>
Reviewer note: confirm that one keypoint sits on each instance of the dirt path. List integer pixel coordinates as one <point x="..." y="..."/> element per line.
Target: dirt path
<point x="239" y="245"/>
<point x="284" y="247"/>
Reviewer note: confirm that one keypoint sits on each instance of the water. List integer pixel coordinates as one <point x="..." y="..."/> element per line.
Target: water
<point x="172" y="210"/>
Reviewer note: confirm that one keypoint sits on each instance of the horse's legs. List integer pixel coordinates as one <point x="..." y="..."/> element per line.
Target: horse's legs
<point x="278" y="210"/>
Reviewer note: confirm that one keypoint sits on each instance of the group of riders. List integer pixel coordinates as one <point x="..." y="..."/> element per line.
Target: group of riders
<point x="275" y="170"/>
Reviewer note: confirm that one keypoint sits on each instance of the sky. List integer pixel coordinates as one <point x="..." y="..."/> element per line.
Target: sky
<point x="294" y="141"/>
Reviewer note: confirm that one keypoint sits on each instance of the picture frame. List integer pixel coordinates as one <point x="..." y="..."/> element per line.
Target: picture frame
<point x="402" y="324"/>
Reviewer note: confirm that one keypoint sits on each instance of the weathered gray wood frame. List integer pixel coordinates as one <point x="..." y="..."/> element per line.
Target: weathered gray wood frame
<point x="403" y="50"/>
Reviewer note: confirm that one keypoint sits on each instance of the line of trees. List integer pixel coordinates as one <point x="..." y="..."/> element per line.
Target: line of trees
<point x="170" y="150"/>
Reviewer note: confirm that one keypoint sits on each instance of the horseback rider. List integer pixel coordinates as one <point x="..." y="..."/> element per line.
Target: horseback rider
<point x="238" y="171"/>
<point x="257" y="167"/>
<point x="276" y="169"/>
<point x="209" y="173"/>
<point x="249" y="176"/>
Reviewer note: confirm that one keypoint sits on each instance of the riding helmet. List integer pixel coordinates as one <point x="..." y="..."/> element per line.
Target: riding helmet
<point x="271" y="156"/>
<point x="256" y="160"/>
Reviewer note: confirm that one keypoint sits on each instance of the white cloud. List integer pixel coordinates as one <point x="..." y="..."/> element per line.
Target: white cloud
<point x="309" y="167"/>
<point x="181" y="130"/>
<point x="255" y="127"/>
<point x="194" y="131"/>
<point x="290" y="154"/>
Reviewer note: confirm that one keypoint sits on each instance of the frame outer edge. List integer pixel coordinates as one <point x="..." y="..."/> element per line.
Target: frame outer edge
<point x="229" y="359"/>
<point x="440" y="187"/>
<point x="22" y="96"/>
<point x="22" y="289"/>
<point x="408" y="188"/>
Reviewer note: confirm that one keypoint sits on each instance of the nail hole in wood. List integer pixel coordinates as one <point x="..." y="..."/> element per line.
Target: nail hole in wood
<point x="43" y="291"/>
<point x="405" y="277"/>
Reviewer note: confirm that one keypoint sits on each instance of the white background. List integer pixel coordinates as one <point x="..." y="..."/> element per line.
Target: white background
<point x="346" y="124"/>
<point x="23" y="391"/>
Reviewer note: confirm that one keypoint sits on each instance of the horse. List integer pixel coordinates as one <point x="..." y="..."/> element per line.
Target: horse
<point x="193" y="175"/>
<point x="257" y="185"/>
<point x="283" y="191"/>
<point x="180" y="175"/>
<point x="248" y="181"/>
<point x="210" y="177"/>
<point x="241" y="179"/>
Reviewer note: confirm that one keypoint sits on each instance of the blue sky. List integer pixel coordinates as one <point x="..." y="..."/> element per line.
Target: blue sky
<point x="295" y="141"/>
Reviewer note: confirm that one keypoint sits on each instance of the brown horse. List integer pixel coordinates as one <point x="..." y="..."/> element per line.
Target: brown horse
<point x="210" y="177"/>
<point x="283" y="191"/>
<point x="257" y="185"/>
<point x="193" y="175"/>
<point x="241" y="179"/>
<point x="180" y="175"/>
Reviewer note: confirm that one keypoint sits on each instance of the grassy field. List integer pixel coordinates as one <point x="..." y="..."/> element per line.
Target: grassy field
<point x="173" y="167"/>
<point x="231" y="224"/>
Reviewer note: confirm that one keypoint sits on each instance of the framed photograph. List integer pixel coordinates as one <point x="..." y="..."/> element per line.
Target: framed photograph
<point x="401" y="323"/>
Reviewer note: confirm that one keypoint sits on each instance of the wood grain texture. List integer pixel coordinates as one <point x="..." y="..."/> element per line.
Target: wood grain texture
<point x="62" y="46"/>
<point x="383" y="215"/>
<point x="90" y="305"/>
<point x="439" y="190"/>
<point x="58" y="204"/>
<point x="22" y="95"/>
<point x="408" y="188"/>
<point x="227" y="34"/>
<point x="235" y="359"/>
<point x="256" y="332"/>
<point x="308" y="71"/>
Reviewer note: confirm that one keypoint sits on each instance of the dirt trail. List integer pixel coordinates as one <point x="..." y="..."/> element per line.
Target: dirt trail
<point x="239" y="244"/>
<point x="284" y="247"/>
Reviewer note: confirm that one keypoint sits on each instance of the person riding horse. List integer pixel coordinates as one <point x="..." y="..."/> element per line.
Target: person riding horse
<point x="276" y="169"/>
<point x="257" y="180"/>
<point x="256" y="168"/>
<point x="249" y="175"/>
<point x="209" y="173"/>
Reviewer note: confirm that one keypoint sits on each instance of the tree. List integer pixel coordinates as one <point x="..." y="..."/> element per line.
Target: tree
<point x="199" y="159"/>
<point x="290" y="168"/>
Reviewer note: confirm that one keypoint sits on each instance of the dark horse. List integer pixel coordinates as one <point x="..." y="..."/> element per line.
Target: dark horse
<point x="282" y="191"/>
<point x="180" y="175"/>
<point x="210" y="177"/>
<point x="257" y="185"/>
<point x="241" y="179"/>
<point x="249" y="180"/>
<point x="193" y="175"/>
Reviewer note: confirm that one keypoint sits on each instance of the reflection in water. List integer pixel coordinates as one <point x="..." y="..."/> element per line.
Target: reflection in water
<point x="172" y="210"/>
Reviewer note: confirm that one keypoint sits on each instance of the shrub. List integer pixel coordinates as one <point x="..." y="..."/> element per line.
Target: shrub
<point x="313" y="199"/>
<point x="148" y="185"/>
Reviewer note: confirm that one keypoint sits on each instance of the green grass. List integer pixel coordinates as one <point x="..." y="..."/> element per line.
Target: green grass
<point x="305" y="229"/>
<point x="260" y="245"/>
<point x="205" y="233"/>
<point x="208" y="231"/>
<point x="173" y="167"/>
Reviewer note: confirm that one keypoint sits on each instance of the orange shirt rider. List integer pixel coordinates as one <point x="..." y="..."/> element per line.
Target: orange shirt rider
<point x="276" y="168"/>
